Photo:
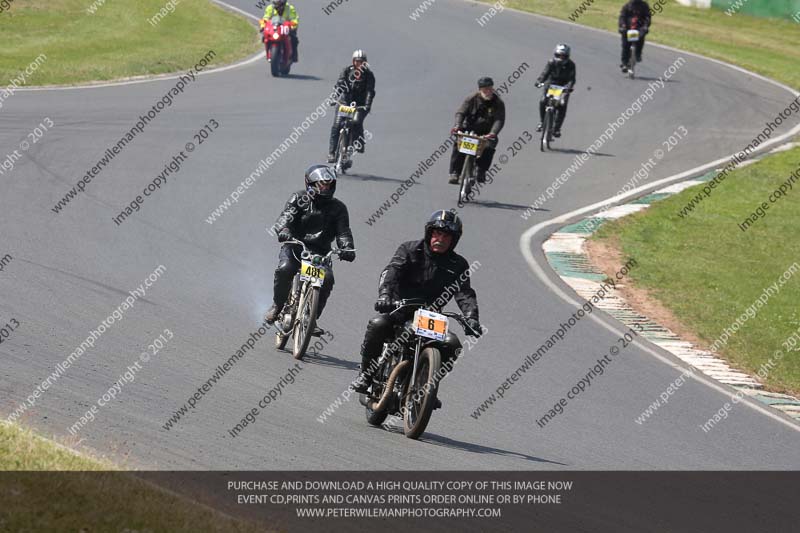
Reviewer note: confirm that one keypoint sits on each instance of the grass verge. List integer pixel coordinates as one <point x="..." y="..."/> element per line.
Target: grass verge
<point x="116" y="41"/>
<point x="770" y="47"/>
<point x="95" y="498"/>
<point x="708" y="271"/>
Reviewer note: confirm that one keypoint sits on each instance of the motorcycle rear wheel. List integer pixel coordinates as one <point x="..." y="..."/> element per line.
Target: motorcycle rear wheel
<point x="420" y="396"/>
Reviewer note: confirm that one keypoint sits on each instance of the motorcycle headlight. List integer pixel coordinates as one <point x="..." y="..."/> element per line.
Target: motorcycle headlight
<point x="275" y="35"/>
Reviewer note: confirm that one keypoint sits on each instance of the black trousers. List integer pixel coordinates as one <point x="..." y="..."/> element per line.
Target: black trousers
<point x="357" y="131"/>
<point x="561" y="111"/>
<point x="288" y="266"/>
<point x="482" y="163"/>
<point x="626" y="48"/>
<point x="380" y="329"/>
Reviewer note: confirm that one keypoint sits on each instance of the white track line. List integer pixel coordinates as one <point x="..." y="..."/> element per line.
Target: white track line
<point x="161" y="77"/>
<point x="526" y="238"/>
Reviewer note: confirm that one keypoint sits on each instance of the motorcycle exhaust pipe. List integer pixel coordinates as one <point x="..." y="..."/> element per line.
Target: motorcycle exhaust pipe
<point x="387" y="391"/>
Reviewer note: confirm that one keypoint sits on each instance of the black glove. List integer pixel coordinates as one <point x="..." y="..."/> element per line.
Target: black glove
<point x="473" y="323"/>
<point x="284" y="235"/>
<point x="539" y="84"/>
<point x="623" y="29"/>
<point x="384" y="304"/>
<point x="347" y="255"/>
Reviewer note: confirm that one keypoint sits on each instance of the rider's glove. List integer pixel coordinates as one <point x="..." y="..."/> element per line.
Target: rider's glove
<point x="453" y="130"/>
<point x="347" y="255"/>
<point x="623" y="29"/>
<point x="491" y="136"/>
<point x="539" y="84"/>
<point x="384" y="304"/>
<point x="284" y="235"/>
<point x="473" y="323"/>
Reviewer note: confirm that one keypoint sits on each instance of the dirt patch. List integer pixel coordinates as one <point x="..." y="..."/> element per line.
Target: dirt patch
<point x="606" y="255"/>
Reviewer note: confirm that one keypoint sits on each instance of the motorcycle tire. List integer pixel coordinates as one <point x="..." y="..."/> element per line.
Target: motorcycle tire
<point x="275" y="59"/>
<point x="309" y="303"/>
<point x="417" y="414"/>
<point x="465" y="191"/>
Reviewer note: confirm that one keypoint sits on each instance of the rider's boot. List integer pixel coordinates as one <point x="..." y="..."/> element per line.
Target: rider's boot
<point x="453" y="179"/>
<point x="364" y="380"/>
<point x="624" y="68"/>
<point x="331" y="157"/>
<point x="481" y="175"/>
<point x="540" y="127"/>
<point x="557" y="133"/>
<point x="272" y="315"/>
<point x="437" y="404"/>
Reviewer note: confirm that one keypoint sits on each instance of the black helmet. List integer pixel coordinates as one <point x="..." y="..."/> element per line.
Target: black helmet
<point x="485" y="82"/>
<point x="278" y="3"/>
<point x="446" y="221"/>
<point x="562" y="52"/>
<point x="317" y="174"/>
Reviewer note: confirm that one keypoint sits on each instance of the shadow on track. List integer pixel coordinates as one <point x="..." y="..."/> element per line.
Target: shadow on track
<point x="500" y="205"/>
<point x="302" y="77"/>
<point x="369" y="177"/>
<point x="320" y="359"/>
<point x="579" y="152"/>
<point x="438" y="440"/>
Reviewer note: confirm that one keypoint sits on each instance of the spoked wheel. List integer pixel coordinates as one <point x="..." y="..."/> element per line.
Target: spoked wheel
<point x="275" y="59"/>
<point x="466" y="180"/>
<point x="547" y="130"/>
<point x="421" y="395"/>
<point x="632" y="64"/>
<point x="305" y="321"/>
<point x="376" y="418"/>
<point x="341" y="156"/>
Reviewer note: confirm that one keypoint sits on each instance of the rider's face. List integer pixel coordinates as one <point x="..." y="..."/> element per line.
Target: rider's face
<point x="440" y="241"/>
<point x="486" y="92"/>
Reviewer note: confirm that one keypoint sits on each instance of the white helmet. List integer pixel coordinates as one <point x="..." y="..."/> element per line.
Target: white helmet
<point x="361" y="55"/>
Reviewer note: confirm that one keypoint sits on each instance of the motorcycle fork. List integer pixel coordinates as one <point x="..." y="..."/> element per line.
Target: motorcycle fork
<point x="417" y="351"/>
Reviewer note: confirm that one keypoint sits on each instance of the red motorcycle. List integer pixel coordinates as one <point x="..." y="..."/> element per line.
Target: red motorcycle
<point x="278" y="44"/>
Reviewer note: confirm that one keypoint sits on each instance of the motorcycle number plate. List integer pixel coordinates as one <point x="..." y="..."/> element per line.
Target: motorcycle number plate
<point x="633" y="35"/>
<point x="313" y="273"/>
<point x="555" y="91"/>
<point x="469" y="145"/>
<point x="430" y="325"/>
<point x="346" y="111"/>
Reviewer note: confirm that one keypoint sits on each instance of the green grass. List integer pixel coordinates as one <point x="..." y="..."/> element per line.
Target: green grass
<point x="95" y="498"/>
<point x="707" y="271"/>
<point x="117" y="41"/>
<point x="770" y="47"/>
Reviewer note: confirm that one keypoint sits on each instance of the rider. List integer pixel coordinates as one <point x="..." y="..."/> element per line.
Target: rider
<point x="484" y="113"/>
<point x="560" y="71"/>
<point x="279" y="7"/>
<point x="428" y="269"/>
<point x="316" y="218"/>
<point x="635" y="15"/>
<point x="356" y="84"/>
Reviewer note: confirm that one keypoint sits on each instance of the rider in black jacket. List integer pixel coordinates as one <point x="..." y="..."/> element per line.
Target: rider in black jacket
<point x="635" y="15"/>
<point x="355" y="84"/>
<point x="316" y="218"/>
<point x="484" y="113"/>
<point x="560" y="71"/>
<point x="428" y="269"/>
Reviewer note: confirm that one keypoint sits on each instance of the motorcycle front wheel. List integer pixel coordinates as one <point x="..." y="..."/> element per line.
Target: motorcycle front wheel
<point x="305" y="321"/>
<point x="420" y="396"/>
<point x="466" y="180"/>
<point x="275" y="59"/>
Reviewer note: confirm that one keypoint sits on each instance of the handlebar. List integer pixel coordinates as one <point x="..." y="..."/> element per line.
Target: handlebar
<point x="335" y="251"/>
<point x="416" y="302"/>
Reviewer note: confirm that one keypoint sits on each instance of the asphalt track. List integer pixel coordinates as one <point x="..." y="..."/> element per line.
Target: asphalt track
<point x="71" y="270"/>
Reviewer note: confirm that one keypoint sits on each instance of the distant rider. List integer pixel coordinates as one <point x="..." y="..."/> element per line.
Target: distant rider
<point x="484" y="113"/>
<point x="316" y="218"/>
<point x="288" y="12"/>
<point x="635" y="15"/>
<point x="356" y="84"/>
<point x="428" y="269"/>
<point x="559" y="71"/>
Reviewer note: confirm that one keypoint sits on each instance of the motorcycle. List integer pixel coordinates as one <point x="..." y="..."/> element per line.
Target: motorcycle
<point x="472" y="146"/>
<point x="278" y="44"/>
<point x="298" y="317"/>
<point x="409" y="369"/>
<point x="555" y="97"/>
<point x="633" y="38"/>
<point x="344" y="149"/>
